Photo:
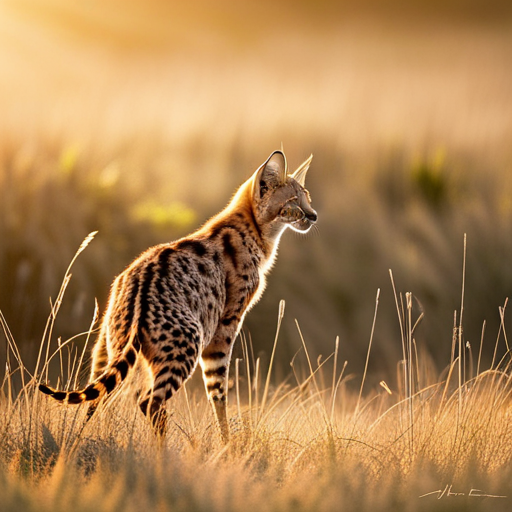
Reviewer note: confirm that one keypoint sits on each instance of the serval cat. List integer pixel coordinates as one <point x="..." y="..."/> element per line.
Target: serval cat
<point x="182" y="303"/>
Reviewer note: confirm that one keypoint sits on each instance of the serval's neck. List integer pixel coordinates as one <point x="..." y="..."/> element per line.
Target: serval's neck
<point x="240" y="214"/>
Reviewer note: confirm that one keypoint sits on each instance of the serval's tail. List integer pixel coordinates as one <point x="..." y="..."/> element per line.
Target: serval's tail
<point x="115" y="373"/>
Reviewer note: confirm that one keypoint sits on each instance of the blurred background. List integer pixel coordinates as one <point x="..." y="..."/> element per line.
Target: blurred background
<point x="140" y="119"/>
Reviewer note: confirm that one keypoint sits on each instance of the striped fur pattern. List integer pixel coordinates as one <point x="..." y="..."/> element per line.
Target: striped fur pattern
<point x="181" y="304"/>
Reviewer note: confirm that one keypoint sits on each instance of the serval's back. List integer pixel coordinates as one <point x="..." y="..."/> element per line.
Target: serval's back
<point x="182" y="303"/>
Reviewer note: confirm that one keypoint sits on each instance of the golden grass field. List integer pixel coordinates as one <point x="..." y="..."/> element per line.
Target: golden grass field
<point x="307" y="443"/>
<point x="139" y="120"/>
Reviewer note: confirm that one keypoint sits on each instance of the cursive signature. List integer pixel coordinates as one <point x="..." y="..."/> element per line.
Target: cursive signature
<point x="447" y="492"/>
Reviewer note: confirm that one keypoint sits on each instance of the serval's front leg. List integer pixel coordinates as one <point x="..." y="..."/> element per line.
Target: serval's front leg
<point x="215" y="364"/>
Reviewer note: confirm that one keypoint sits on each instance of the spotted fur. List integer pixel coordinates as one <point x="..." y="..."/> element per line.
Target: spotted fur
<point x="181" y="304"/>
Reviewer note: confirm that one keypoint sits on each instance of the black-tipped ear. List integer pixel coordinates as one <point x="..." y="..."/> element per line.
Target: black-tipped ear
<point x="271" y="174"/>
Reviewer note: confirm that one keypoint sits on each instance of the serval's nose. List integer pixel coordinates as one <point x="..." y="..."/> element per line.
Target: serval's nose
<point x="311" y="215"/>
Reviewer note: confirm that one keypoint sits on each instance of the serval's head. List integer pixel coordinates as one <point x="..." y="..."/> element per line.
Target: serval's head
<point x="280" y="199"/>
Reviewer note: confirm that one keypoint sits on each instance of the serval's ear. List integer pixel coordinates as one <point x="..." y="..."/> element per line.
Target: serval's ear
<point x="270" y="175"/>
<point x="300" y="174"/>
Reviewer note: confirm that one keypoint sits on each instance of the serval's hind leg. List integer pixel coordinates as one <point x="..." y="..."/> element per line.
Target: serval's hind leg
<point x="154" y="409"/>
<point x="167" y="376"/>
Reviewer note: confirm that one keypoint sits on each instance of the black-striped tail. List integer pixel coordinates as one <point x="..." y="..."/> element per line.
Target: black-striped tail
<point x="113" y="375"/>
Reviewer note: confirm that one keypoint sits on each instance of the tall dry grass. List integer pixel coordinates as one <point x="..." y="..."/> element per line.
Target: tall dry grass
<point x="305" y="442"/>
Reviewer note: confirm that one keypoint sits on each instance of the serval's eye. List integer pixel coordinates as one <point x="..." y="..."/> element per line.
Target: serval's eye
<point x="292" y="212"/>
